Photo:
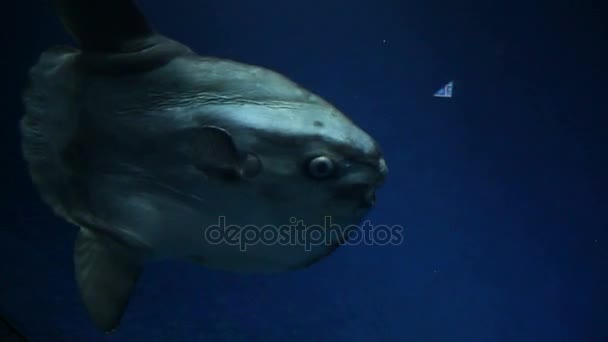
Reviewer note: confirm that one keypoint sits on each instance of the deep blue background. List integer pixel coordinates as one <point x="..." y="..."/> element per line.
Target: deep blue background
<point x="501" y="189"/>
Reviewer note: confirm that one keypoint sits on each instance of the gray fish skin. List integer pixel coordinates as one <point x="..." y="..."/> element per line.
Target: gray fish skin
<point x="145" y="145"/>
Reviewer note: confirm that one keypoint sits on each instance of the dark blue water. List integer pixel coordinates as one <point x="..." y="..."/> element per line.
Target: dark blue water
<point x="502" y="189"/>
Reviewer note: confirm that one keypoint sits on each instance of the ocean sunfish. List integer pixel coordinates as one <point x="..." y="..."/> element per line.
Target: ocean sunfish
<point x="155" y="152"/>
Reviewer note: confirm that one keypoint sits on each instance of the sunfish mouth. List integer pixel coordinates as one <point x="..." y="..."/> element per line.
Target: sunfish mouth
<point x="369" y="198"/>
<point x="365" y="191"/>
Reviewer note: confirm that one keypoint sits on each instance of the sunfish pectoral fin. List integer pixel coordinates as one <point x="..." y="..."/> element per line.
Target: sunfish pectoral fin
<point x="106" y="272"/>
<point x="215" y="153"/>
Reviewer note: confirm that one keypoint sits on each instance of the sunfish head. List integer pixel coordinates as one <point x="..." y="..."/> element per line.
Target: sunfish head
<point x="282" y="175"/>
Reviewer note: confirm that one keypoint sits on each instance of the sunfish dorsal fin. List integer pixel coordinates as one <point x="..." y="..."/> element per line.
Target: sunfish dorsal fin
<point x="106" y="272"/>
<point x="103" y="25"/>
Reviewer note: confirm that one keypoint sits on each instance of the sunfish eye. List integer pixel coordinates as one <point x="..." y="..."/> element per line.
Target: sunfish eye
<point x="321" y="167"/>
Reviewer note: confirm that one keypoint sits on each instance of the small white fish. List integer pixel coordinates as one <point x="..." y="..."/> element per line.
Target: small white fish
<point x="445" y="91"/>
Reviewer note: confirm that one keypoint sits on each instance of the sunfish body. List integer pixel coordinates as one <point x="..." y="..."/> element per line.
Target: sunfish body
<point x="156" y="152"/>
